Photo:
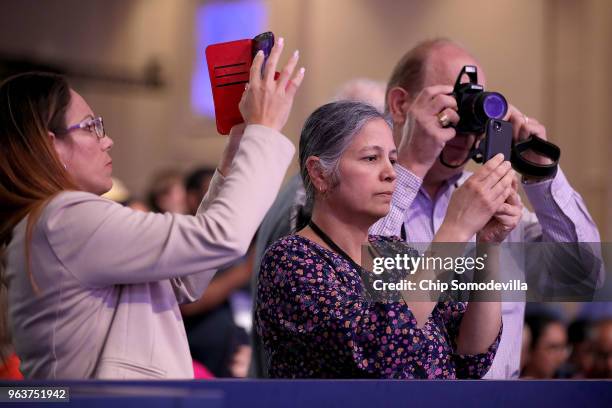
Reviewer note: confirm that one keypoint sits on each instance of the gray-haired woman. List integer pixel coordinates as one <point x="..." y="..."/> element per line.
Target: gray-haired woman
<point x="311" y="311"/>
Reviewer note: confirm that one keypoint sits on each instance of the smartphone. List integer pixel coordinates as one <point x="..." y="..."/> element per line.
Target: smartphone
<point x="263" y="42"/>
<point x="229" y="66"/>
<point x="498" y="139"/>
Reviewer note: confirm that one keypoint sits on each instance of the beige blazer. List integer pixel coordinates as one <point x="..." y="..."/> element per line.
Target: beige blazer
<point x="110" y="279"/>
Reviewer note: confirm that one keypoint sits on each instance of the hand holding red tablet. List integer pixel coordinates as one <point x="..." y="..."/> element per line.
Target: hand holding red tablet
<point x="231" y="67"/>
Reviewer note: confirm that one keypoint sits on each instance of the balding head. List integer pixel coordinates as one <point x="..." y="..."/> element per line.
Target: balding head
<point x="431" y="62"/>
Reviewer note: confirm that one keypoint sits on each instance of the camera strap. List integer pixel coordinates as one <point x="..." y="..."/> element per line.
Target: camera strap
<point x="333" y="246"/>
<point x="471" y="155"/>
<point x="541" y="147"/>
<point x="519" y="163"/>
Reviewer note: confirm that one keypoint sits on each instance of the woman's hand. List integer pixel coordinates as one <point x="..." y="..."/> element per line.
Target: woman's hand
<point x="505" y="219"/>
<point x="268" y="102"/>
<point x="473" y="204"/>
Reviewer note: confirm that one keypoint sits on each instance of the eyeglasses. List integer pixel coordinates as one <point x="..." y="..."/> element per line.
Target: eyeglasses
<point x="94" y="125"/>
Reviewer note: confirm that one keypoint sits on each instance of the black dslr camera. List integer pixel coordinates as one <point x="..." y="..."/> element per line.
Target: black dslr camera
<point x="481" y="112"/>
<point x="475" y="106"/>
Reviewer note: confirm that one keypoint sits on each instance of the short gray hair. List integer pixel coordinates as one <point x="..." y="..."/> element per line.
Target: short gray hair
<point x="327" y="133"/>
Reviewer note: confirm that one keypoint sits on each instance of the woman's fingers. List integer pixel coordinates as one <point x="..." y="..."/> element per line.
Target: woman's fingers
<point x="288" y="70"/>
<point x="255" y="75"/>
<point x="295" y="83"/>
<point x="265" y="101"/>
<point x="270" y="67"/>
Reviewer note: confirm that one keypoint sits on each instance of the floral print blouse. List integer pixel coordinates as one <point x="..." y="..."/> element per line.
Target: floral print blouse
<point x="315" y="323"/>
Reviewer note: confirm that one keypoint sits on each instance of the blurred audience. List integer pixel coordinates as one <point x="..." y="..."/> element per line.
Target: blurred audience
<point x="580" y="360"/>
<point x="547" y="348"/>
<point x="363" y="90"/>
<point x="582" y="350"/>
<point x="525" y="346"/>
<point x="119" y="193"/>
<point x="167" y="192"/>
<point x="602" y="350"/>
<point x="196" y="185"/>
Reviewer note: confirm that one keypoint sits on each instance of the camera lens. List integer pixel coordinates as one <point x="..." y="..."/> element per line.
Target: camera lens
<point x="494" y="105"/>
<point x="497" y="126"/>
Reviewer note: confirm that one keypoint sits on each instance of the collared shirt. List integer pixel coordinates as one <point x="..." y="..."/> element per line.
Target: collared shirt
<point x="560" y="216"/>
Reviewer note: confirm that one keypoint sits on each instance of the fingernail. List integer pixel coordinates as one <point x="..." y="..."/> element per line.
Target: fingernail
<point x="281" y="40"/>
<point x="260" y="52"/>
<point x="296" y="53"/>
<point x="302" y="70"/>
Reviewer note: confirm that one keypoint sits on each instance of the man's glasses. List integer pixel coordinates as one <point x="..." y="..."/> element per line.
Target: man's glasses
<point x="94" y="125"/>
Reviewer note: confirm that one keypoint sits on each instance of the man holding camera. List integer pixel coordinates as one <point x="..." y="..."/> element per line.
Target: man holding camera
<point x="431" y="161"/>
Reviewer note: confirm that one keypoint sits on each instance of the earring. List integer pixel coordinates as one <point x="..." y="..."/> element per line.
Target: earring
<point x="65" y="166"/>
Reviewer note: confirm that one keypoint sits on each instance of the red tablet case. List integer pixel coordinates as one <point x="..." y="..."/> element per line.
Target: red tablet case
<point x="229" y="64"/>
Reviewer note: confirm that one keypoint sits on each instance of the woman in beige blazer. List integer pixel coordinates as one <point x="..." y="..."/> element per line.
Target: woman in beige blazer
<point x="94" y="287"/>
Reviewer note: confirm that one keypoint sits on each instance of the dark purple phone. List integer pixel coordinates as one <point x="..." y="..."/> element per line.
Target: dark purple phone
<point x="264" y="42"/>
<point x="498" y="139"/>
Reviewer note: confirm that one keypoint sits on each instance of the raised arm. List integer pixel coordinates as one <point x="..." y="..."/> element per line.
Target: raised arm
<point x="102" y="243"/>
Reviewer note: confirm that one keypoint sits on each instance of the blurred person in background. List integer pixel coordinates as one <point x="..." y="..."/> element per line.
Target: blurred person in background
<point x="94" y="287"/>
<point x="167" y="192"/>
<point x="548" y="348"/>
<point x="363" y="90"/>
<point x="196" y="185"/>
<point x="119" y="193"/>
<point x="526" y="343"/>
<point x="580" y="360"/>
<point x="288" y="213"/>
<point x="602" y="350"/>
